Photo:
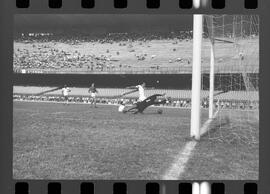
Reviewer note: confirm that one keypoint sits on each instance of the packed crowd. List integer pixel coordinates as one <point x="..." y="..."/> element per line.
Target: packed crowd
<point x="184" y="103"/>
<point x="50" y="57"/>
<point x="74" y="38"/>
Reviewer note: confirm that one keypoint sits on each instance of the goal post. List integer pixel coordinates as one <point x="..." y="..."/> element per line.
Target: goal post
<point x="225" y="74"/>
<point x="212" y="71"/>
<point x="211" y="82"/>
<point x="196" y="76"/>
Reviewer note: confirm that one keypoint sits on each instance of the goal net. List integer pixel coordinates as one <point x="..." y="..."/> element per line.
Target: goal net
<point x="234" y="40"/>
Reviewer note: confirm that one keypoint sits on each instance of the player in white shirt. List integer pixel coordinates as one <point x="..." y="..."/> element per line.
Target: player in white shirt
<point x="140" y="89"/>
<point x="141" y="92"/>
<point x="143" y="102"/>
<point x="65" y="92"/>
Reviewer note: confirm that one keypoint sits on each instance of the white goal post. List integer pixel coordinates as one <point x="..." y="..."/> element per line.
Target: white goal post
<point x="225" y="70"/>
<point x="195" y="123"/>
<point x="196" y="77"/>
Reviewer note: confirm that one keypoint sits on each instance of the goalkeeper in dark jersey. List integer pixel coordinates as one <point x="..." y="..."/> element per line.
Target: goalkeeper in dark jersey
<point x="140" y="106"/>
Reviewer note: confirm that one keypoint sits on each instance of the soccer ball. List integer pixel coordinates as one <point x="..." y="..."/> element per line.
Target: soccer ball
<point x="159" y="111"/>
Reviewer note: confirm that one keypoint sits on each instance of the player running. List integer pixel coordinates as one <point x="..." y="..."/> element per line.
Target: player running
<point x="93" y="93"/>
<point x="65" y="92"/>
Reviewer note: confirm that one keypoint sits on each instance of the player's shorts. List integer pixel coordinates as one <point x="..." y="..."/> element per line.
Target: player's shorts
<point x="66" y="97"/>
<point x="121" y="108"/>
<point x="93" y="95"/>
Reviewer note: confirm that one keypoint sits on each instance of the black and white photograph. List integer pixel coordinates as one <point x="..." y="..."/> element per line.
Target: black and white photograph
<point x="135" y="97"/>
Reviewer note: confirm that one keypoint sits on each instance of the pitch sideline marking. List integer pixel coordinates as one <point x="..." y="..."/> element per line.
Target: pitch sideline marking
<point x="178" y="166"/>
<point x="205" y="126"/>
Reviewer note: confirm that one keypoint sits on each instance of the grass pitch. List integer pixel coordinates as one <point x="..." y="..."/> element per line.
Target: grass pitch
<point x="53" y="141"/>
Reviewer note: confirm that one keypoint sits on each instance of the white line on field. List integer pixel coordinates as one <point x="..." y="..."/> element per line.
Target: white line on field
<point x="206" y="125"/>
<point x="179" y="164"/>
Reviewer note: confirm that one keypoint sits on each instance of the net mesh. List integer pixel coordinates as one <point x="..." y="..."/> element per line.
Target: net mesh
<point x="236" y="76"/>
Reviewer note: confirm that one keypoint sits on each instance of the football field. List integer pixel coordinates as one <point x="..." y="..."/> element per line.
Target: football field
<point x="55" y="141"/>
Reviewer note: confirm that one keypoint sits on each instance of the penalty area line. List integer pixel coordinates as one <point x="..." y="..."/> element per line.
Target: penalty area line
<point x="178" y="166"/>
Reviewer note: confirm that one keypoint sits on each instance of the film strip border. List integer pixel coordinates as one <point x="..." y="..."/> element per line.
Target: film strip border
<point x="122" y="187"/>
<point x="125" y="188"/>
<point x="150" y="4"/>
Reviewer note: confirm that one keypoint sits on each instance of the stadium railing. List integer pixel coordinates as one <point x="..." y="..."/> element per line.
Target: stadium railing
<point x="142" y="70"/>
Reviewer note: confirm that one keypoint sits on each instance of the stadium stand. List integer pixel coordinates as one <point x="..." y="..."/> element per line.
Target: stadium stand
<point x="112" y="53"/>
